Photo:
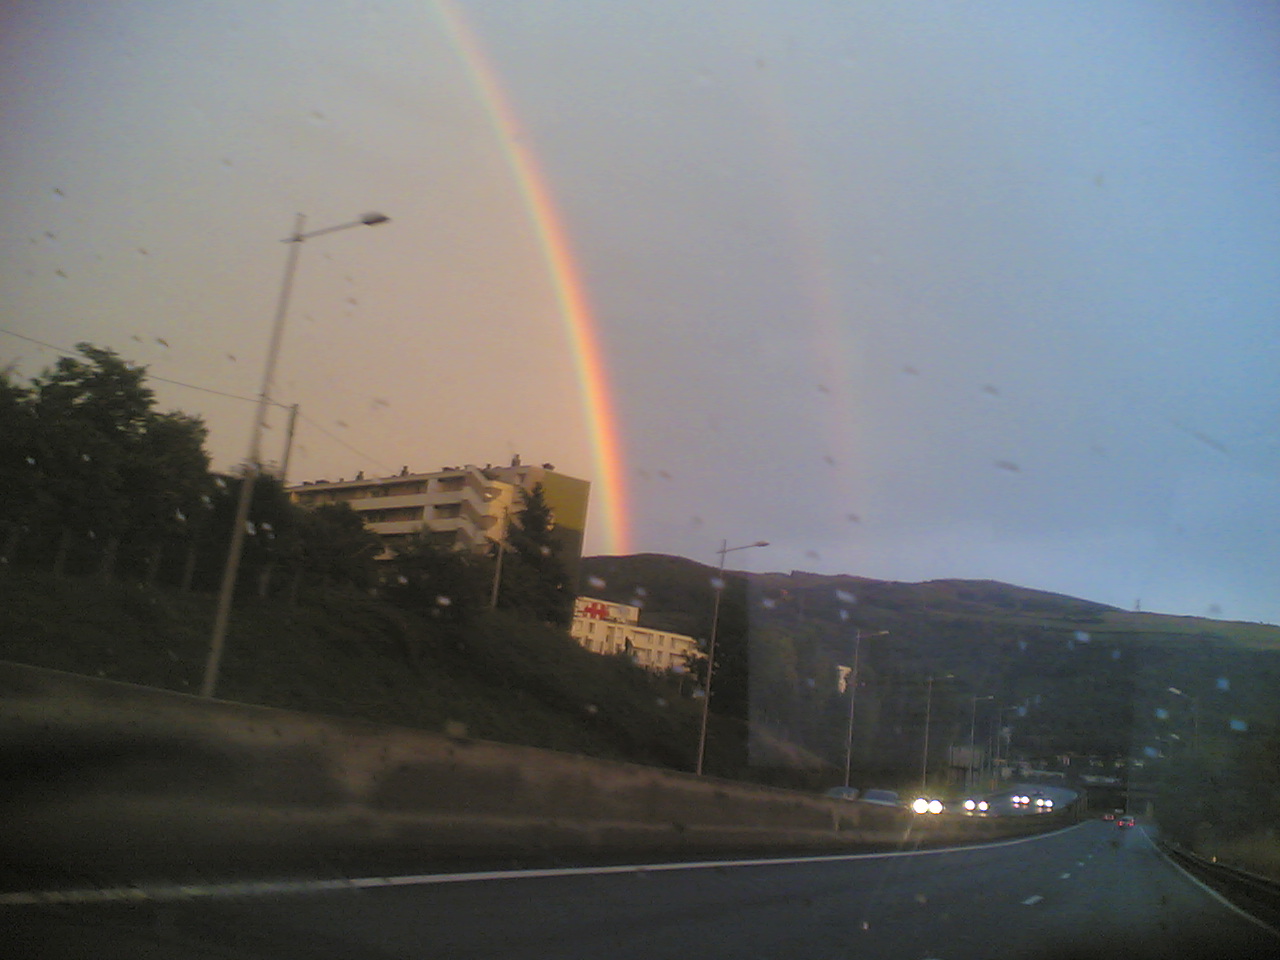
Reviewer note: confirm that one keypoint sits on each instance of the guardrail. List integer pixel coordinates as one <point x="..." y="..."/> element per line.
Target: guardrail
<point x="1255" y="894"/>
<point x="112" y="776"/>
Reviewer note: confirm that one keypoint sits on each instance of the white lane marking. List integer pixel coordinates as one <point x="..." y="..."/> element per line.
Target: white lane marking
<point x="1065" y="876"/>
<point x="1032" y="900"/>
<point x="1206" y="888"/>
<point x="259" y="888"/>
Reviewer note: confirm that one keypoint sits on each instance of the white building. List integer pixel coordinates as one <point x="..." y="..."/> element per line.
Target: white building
<point x="607" y="628"/>
<point x="467" y="508"/>
<point x="463" y="506"/>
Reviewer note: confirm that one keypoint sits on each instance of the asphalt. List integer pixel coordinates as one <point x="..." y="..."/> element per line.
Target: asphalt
<point x="1092" y="890"/>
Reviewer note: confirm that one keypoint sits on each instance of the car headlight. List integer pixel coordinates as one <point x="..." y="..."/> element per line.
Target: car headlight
<point x="1048" y="804"/>
<point x="921" y="805"/>
<point x="935" y="806"/>
<point x="970" y="805"/>
<point x="983" y="806"/>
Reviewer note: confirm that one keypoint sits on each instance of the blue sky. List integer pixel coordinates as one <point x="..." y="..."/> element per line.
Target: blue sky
<point x="911" y="291"/>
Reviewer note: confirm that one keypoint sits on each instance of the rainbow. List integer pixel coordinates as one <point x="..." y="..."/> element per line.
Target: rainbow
<point x="570" y="290"/>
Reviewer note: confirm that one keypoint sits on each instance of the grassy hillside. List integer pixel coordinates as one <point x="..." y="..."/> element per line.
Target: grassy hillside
<point x="350" y="656"/>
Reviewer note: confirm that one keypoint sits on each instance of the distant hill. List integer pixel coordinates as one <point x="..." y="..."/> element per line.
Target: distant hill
<point x="1030" y="673"/>
<point x="673" y="590"/>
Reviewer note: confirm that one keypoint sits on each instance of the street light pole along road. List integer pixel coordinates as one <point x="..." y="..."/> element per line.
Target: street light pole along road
<point x="718" y="583"/>
<point x="253" y="465"/>
<point x="853" y="693"/>
<point x="973" y="722"/>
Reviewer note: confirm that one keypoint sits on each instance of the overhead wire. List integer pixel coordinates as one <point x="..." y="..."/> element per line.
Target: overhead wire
<point x="219" y="393"/>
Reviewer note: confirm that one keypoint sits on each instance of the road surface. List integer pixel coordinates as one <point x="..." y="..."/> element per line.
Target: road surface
<point x="1070" y="894"/>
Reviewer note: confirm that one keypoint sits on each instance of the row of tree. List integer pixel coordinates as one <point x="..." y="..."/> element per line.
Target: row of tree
<point x="95" y="480"/>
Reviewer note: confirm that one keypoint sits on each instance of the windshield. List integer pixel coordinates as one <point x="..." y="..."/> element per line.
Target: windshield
<point x="883" y="396"/>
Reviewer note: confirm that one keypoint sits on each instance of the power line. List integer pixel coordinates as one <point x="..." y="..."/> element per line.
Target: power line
<point x="150" y="376"/>
<point x="219" y="393"/>
<point x="339" y="440"/>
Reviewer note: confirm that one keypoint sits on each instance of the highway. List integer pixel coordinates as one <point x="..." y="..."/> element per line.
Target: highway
<point x="1091" y="890"/>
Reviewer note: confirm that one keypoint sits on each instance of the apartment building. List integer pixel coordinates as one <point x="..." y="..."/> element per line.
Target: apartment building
<point x="602" y="626"/>
<point x="467" y="508"/>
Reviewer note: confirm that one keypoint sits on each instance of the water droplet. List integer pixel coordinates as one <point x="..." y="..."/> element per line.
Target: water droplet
<point x="1162" y="713"/>
<point x="991" y="389"/>
<point x="1224" y="684"/>
<point x="1115" y="654"/>
<point x="592" y="709"/>
<point x="249" y="528"/>
<point x="768" y="603"/>
<point x="443" y="601"/>
<point x="844" y="616"/>
<point x="1239" y="726"/>
<point x="717" y="583"/>
<point x="844" y="596"/>
<point x="1083" y="636"/>
<point x="661" y="701"/>
<point x="596" y="583"/>
<point x="1008" y="465"/>
<point x="853" y="518"/>
<point x="812" y="555"/>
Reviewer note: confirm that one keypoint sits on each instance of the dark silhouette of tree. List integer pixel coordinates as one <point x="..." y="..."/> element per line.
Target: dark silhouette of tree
<point x="535" y="580"/>
<point x="432" y="578"/>
<point x="88" y="456"/>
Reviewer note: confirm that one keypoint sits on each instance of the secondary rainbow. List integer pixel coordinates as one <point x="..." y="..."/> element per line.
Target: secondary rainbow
<point x="566" y="279"/>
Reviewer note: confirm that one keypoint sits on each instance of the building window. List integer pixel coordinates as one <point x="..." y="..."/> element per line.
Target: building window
<point x="448" y="511"/>
<point x="451" y="484"/>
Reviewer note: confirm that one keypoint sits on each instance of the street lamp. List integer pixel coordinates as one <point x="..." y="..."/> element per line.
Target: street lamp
<point x="1195" y="717"/>
<point x="853" y="693"/>
<point x="973" y="721"/>
<point x="928" y="717"/>
<point x="253" y="465"/>
<point x="711" y="646"/>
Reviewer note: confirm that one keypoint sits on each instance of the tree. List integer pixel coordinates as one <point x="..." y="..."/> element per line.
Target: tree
<point x="335" y="548"/>
<point x="432" y="578"/>
<point x="92" y="457"/>
<point x="534" y="577"/>
<point x="19" y="478"/>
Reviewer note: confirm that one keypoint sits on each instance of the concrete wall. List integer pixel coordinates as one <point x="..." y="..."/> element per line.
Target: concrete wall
<point x="106" y="776"/>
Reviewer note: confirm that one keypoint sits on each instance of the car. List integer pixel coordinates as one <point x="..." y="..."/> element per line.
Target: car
<point x="928" y="805"/>
<point x="1108" y="816"/>
<point x="884" y="798"/>
<point x="841" y="793"/>
<point x="1125" y="821"/>
<point x="976" y="806"/>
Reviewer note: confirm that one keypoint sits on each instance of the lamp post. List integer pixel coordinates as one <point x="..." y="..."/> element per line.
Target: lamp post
<point x="1195" y="717"/>
<point x="253" y="464"/>
<point x="853" y="693"/>
<point x="711" y="646"/>
<point x="973" y="722"/>
<point x="928" y="717"/>
<point x="501" y="544"/>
